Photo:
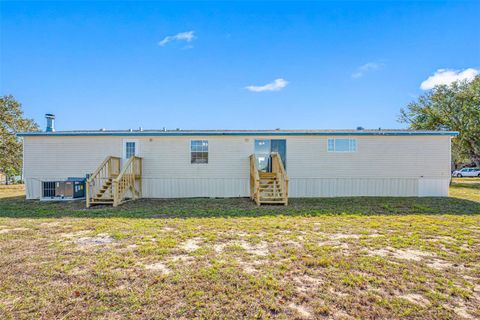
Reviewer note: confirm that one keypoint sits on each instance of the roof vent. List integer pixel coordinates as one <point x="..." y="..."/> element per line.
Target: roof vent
<point x="360" y="128"/>
<point x="50" y="122"/>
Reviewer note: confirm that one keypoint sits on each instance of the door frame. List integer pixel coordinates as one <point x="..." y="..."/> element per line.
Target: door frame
<point x="269" y="166"/>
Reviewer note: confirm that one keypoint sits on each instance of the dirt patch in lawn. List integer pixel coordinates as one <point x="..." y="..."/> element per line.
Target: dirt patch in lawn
<point x="75" y="234"/>
<point x="407" y="254"/>
<point x="334" y="243"/>
<point x="3" y="231"/>
<point x="250" y="266"/>
<point x="301" y="310"/>
<point x="183" y="258"/>
<point x="158" y="266"/>
<point x="100" y="239"/>
<point x="416" y="299"/>
<point x="305" y="283"/>
<point x="191" y="244"/>
<point x="442" y="264"/>
<point x="259" y="249"/>
<point x="462" y="311"/>
<point x="51" y="224"/>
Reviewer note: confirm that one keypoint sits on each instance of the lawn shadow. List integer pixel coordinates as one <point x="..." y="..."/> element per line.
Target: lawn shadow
<point x="18" y="207"/>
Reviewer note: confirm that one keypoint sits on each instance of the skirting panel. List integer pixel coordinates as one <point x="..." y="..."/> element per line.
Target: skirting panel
<point x="33" y="188"/>
<point x="346" y="187"/>
<point x="298" y="187"/>
<point x="433" y="187"/>
<point x="187" y="188"/>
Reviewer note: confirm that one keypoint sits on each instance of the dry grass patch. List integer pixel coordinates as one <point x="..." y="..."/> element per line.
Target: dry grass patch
<point x="212" y="259"/>
<point x="83" y="267"/>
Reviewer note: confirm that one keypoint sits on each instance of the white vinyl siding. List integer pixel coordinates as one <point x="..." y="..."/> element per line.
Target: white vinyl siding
<point x="382" y="165"/>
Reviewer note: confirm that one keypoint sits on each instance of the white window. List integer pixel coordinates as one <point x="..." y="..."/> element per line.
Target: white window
<point x="130" y="148"/>
<point x="199" y="151"/>
<point x="342" y="145"/>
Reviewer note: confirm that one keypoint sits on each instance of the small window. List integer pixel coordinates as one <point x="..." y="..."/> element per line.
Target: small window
<point x="129" y="149"/>
<point x="342" y="145"/>
<point x="199" y="151"/>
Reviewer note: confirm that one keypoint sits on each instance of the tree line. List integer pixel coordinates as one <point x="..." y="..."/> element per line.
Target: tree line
<point x="453" y="107"/>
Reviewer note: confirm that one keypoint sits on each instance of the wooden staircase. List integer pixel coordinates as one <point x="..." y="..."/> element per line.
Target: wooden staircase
<point x="269" y="187"/>
<point x="110" y="186"/>
<point x="104" y="194"/>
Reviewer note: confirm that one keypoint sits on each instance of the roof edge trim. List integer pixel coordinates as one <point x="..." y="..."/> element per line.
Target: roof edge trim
<point x="250" y="133"/>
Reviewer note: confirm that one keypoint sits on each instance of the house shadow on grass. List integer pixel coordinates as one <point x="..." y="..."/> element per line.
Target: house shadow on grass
<point x="18" y="207"/>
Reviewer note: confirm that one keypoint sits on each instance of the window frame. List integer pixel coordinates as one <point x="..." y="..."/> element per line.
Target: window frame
<point x="125" y="141"/>
<point x="202" y="151"/>
<point x="352" y="145"/>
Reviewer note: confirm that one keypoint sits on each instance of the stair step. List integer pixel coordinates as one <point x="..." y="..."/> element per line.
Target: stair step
<point x="102" y="199"/>
<point x="101" y="202"/>
<point x="272" y="202"/>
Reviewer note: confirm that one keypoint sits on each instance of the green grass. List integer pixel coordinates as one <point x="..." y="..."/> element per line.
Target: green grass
<point x="414" y="258"/>
<point x="466" y="188"/>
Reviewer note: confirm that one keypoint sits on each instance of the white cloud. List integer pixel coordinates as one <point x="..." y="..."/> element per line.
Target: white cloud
<point x="182" y="36"/>
<point x="367" y="67"/>
<point x="276" y="85"/>
<point x="446" y="77"/>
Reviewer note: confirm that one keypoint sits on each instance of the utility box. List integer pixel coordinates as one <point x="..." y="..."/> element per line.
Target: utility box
<point x="78" y="187"/>
<point x="72" y="188"/>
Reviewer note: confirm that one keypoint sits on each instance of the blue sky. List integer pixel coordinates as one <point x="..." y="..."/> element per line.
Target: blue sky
<point x="231" y="65"/>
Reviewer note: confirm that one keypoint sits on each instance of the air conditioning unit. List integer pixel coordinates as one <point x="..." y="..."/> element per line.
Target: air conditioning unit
<point x="72" y="188"/>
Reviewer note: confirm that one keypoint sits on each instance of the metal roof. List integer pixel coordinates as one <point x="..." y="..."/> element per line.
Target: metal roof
<point x="275" y="132"/>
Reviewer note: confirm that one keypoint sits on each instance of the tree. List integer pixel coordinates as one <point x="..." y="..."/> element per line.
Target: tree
<point x="12" y="121"/>
<point x="454" y="107"/>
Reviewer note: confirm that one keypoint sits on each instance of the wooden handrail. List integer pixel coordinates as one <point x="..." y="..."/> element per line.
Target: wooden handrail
<point x="106" y="170"/>
<point x="127" y="180"/>
<point x="254" y="180"/>
<point x="125" y="168"/>
<point x="279" y="169"/>
<point x="277" y="164"/>
<point x="100" y="167"/>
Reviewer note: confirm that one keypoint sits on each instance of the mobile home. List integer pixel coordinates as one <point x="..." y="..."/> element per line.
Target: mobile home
<point x="239" y="163"/>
